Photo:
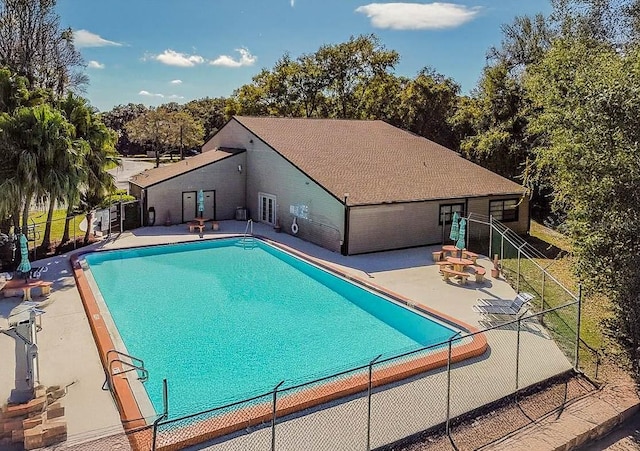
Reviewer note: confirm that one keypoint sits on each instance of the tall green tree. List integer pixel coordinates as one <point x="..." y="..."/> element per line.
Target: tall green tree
<point x="117" y="118"/>
<point x="35" y="136"/>
<point x="166" y="130"/>
<point x="497" y="115"/>
<point x="92" y="152"/>
<point x="587" y="95"/>
<point x="426" y="104"/>
<point x="33" y="45"/>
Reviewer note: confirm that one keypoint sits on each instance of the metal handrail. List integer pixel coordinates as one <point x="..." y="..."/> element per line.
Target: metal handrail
<point x="135" y="364"/>
<point x="248" y="233"/>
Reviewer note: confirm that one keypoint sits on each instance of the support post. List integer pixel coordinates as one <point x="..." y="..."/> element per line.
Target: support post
<point x="74" y="231"/>
<point x="518" y="274"/>
<point x="578" y="320"/>
<point x="273" y="416"/>
<point x="490" y="236"/>
<point x="517" y="359"/>
<point x="447" y="428"/>
<point x="544" y="277"/>
<point x="163" y="416"/>
<point x="369" y="402"/>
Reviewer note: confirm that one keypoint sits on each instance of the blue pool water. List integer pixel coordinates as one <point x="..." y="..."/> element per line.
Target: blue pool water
<point x="221" y="322"/>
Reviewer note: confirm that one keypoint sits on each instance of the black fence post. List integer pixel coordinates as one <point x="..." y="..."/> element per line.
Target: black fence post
<point x="447" y="425"/>
<point x="165" y="413"/>
<point x="369" y="402"/>
<point x="273" y="417"/>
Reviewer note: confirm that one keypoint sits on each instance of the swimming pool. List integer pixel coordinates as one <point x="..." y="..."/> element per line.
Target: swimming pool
<point x="222" y="322"/>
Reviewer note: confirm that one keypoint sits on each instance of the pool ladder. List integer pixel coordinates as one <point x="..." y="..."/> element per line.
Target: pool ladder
<point x="248" y="241"/>
<point x="130" y="364"/>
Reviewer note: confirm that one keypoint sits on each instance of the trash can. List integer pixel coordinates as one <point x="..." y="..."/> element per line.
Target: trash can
<point x="241" y="214"/>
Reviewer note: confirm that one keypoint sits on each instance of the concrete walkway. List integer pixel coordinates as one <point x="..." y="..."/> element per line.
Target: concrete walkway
<point x="582" y="422"/>
<point x="68" y="353"/>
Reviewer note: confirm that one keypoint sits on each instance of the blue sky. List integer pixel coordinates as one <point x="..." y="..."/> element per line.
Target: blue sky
<point x="158" y="51"/>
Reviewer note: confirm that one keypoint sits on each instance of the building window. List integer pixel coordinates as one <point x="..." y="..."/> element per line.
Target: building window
<point x="446" y="212"/>
<point x="504" y="210"/>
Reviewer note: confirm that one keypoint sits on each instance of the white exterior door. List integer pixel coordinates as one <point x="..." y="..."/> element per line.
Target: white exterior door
<point x="188" y="206"/>
<point x="267" y="208"/>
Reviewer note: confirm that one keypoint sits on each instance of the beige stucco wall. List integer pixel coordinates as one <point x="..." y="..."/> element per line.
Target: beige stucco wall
<point x="270" y="173"/>
<point x="232" y="135"/>
<point x="480" y="205"/>
<point x="392" y="226"/>
<point x="222" y="177"/>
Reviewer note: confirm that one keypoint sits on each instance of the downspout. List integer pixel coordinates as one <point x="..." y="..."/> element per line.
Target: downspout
<point x="145" y="212"/>
<point x="345" y="239"/>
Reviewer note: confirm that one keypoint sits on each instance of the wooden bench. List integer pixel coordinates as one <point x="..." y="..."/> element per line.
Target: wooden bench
<point x="447" y="273"/>
<point x="437" y="256"/>
<point x="479" y="272"/>
<point x="14" y="286"/>
<point x="444" y="264"/>
<point x="196" y="225"/>
<point x="470" y="255"/>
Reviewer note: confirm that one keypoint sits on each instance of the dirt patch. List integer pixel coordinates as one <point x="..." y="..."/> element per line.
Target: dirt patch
<point x="504" y="418"/>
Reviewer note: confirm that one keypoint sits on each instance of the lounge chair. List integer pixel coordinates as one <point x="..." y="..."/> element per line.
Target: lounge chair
<point x="504" y="307"/>
<point x="521" y="298"/>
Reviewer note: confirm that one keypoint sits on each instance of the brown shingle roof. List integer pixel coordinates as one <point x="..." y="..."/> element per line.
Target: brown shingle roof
<point x="375" y="162"/>
<point x="152" y="176"/>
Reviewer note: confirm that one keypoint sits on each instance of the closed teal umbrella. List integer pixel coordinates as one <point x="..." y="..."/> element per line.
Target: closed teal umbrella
<point x="460" y="244"/>
<point x="454" y="227"/>
<point x="24" y="266"/>
<point x="200" y="203"/>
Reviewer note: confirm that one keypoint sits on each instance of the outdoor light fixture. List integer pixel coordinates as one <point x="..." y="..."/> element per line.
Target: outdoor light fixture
<point x="240" y="168"/>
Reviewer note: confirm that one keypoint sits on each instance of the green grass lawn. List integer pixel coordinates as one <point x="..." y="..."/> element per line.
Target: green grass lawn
<point x="57" y="226"/>
<point x="559" y="264"/>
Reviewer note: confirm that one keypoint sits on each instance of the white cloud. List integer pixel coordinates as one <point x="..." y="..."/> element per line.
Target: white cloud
<point x="418" y="16"/>
<point x="176" y="82"/>
<point x="293" y="3"/>
<point x="173" y="58"/>
<point x="84" y="38"/>
<point x="150" y="94"/>
<point x="246" y="59"/>
<point x="95" y="65"/>
<point x="175" y="96"/>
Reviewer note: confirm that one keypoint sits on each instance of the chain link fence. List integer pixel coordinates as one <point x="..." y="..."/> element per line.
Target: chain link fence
<point x="373" y="410"/>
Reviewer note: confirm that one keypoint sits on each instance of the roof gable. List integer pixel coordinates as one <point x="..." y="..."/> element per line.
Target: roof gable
<point x="154" y="176"/>
<point x="375" y="162"/>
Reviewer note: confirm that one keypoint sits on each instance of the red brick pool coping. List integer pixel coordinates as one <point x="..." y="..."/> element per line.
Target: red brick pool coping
<point x="208" y="429"/>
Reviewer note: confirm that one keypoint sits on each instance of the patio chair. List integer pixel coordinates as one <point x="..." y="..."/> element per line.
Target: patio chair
<point x="508" y="308"/>
<point x="517" y="302"/>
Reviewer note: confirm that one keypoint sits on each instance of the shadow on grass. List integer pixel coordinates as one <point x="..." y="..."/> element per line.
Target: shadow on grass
<point x="547" y="249"/>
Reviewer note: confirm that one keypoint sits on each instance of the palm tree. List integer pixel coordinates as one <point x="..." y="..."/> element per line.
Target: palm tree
<point x="34" y="137"/>
<point x="95" y="144"/>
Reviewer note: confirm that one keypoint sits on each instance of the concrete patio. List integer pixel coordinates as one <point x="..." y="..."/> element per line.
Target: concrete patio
<point x="68" y="355"/>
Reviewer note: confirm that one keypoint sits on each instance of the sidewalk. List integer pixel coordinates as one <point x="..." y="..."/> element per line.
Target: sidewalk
<point x="581" y="422"/>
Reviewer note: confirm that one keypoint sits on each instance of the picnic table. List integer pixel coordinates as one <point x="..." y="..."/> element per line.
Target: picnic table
<point x="459" y="264"/>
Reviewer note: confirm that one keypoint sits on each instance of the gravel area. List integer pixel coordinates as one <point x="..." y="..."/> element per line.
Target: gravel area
<point x="502" y="420"/>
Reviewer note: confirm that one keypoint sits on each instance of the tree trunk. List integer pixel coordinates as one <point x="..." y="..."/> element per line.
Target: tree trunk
<point x="88" y="232"/>
<point x="25" y="214"/>
<point x="46" y="239"/>
<point x="67" y="223"/>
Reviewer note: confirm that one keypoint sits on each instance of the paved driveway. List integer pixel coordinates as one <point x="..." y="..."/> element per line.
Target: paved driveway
<point x="129" y="167"/>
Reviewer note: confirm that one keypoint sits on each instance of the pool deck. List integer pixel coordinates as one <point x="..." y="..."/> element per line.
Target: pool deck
<point x="68" y="354"/>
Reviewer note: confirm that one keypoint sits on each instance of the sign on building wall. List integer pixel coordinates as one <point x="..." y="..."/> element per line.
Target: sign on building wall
<point x="299" y="211"/>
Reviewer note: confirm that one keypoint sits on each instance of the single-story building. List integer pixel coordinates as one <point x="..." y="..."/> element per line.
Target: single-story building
<point x="348" y="185"/>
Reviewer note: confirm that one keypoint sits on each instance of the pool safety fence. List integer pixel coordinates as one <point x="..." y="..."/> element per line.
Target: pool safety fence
<point x="527" y="270"/>
<point x="524" y="352"/>
<point x="373" y="412"/>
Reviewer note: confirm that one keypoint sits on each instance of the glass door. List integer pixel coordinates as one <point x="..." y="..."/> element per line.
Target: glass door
<point x="267" y="208"/>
